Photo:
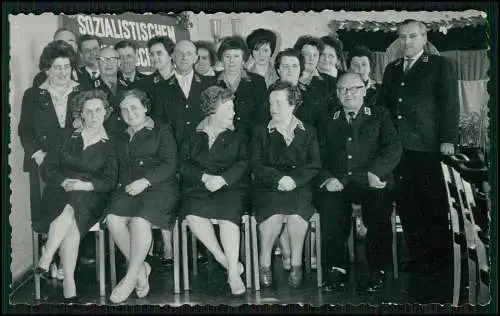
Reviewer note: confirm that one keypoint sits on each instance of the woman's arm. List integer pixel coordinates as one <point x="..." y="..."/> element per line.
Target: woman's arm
<point x="167" y="151"/>
<point x="263" y="174"/>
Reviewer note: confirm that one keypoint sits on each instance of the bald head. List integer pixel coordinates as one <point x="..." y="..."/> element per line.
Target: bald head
<point x="184" y="56"/>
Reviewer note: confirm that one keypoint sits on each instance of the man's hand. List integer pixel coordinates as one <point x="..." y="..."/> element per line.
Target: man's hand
<point x="375" y="182"/>
<point x="39" y="156"/>
<point x="447" y="149"/>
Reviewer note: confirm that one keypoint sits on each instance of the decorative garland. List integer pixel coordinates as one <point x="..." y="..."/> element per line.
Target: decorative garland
<point x="183" y="21"/>
<point x="371" y="26"/>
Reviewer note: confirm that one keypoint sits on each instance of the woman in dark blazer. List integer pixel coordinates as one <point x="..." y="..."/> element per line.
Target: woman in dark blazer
<point x="78" y="176"/>
<point x="147" y="190"/>
<point x="250" y="90"/>
<point x="215" y="177"/>
<point x="46" y="120"/>
<point x="360" y="61"/>
<point x="285" y="159"/>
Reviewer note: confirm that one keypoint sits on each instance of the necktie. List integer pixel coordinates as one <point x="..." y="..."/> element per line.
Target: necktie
<point x="407" y="65"/>
<point x="351" y="117"/>
<point x="94" y="75"/>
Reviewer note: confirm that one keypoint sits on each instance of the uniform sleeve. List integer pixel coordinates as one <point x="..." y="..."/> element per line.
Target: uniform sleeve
<point x="26" y="128"/>
<point x="240" y="167"/>
<point x="390" y="147"/>
<point x="106" y="180"/>
<point x="263" y="174"/>
<point x="305" y="173"/>
<point x="167" y="152"/>
<point x="447" y="98"/>
<point x="188" y="170"/>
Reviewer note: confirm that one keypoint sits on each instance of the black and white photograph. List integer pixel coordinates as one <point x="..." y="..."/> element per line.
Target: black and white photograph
<point x="322" y="157"/>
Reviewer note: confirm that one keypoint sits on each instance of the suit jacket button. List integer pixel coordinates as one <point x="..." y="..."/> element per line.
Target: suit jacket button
<point x="187" y="123"/>
<point x="187" y="106"/>
<point x="400" y="100"/>
<point x="402" y="84"/>
<point x="119" y="185"/>
<point x="349" y="157"/>
<point x="141" y="162"/>
<point x="350" y="139"/>
<point x="293" y="167"/>
<point x="399" y="117"/>
<point x="119" y="118"/>
<point x="238" y="118"/>
<point x="44" y="136"/>
<point x="349" y="173"/>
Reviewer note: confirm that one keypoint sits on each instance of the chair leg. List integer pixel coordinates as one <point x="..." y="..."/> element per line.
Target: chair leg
<point x="350" y="242"/>
<point x="36" y="254"/>
<point x="255" y="252"/>
<point x="394" y="245"/>
<point x="96" y="244"/>
<point x="112" y="260"/>
<point x="319" y="271"/>
<point x="194" y="247"/>
<point x="307" y="249"/>
<point x="246" y="237"/>
<point x="102" y="270"/>
<point x="177" y="281"/>
<point x="185" y="262"/>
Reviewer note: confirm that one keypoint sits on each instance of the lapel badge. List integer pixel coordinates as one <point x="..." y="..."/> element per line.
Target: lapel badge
<point x="197" y="78"/>
<point x="336" y="115"/>
<point x="156" y="79"/>
<point x="398" y="62"/>
<point x="425" y="59"/>
<point x="368" y="111"/>
<point x="171" y="81"/>
<point x="97" y="83"/>
<point x="123" y="83"/>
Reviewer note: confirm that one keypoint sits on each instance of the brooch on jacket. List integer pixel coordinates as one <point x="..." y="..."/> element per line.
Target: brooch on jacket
<point x="336" y="115"/>
<point x="425" y="59"/>
<point x="197" y="78"/>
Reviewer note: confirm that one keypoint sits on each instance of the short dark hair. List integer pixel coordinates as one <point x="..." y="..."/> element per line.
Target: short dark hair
<point x="167" y="43"/>
<point x="87" y="37"/>
<point x="338" y="46"/>
<point x="212" y="96"/>
<point x="78" y="100"/>
<point x="294" y="95"/>
<point x="62" y="29"/>
<point x="126" y="43"/>
<point x="309" y="40"/>
<point x="233" y="42"/>
<point x="289" y="52"/>
<point x="260" y="37"/>
<point x="139" y="94"/>
<point x="53" y="50"/>
<point x="360" y="51"/>
<point x="210" y="48"/>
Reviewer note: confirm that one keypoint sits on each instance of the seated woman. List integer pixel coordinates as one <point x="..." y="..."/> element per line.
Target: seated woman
<point x="285" y="159"/>
<point x="360" y="61"/>
<point x="147" y="190"/>
<point x="214" y="176"/>
<point x="78" y="177"/>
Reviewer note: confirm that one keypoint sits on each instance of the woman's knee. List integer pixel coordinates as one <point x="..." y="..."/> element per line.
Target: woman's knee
<point x="115" y="220"/>
<point x="140" y="223"/>
<point x="276" y="219"/>
<point x="197" y="220"/>
<point x="296" y="223"/>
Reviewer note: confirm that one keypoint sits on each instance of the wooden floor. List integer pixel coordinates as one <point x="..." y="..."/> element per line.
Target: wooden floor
<point x="210" y="287"/>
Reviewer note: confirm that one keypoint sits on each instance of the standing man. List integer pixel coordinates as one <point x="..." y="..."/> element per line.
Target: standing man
<point x="88" y="49"/>
<point x="128" y="56"/>
<point x="420" y="91"/>
<point x="359" y="150"/>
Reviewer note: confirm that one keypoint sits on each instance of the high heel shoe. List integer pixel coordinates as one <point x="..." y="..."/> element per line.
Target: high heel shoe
<point x="266" y="276"/>
<point x="142" y="292"/>
<point x="295" y="277"/>
<point x="237" y="286"/>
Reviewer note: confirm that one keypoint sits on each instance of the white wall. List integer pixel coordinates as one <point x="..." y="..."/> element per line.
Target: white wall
<point x="28" y="35"/>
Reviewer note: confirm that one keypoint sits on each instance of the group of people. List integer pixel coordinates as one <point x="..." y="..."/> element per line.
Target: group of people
<point x="280" y="138"/>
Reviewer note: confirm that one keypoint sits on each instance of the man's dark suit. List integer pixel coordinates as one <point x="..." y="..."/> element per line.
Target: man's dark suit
<point x="424" y="107"/>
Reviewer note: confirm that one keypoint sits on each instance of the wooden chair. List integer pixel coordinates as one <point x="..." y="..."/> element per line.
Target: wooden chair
<point x="314" y="225"/>
<point x="100" y="259"/>
<point x="175" y="241"/>
<point x="245" y="237"/>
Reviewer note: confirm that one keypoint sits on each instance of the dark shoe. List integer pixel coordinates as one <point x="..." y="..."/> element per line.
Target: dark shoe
<point x="87" y="260"/>
<point x="266" y="276"/>
<point x="335" y="280"/>
<point x="295" y="277"/>
<point x="71" y="300"/>
<point x="376" y="281"/>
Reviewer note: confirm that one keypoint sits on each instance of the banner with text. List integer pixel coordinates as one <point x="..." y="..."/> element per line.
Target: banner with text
<point x="135" y="27"/>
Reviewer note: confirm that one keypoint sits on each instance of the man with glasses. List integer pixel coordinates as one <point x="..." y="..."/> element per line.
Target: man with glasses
<point x="88" y="49"/>
<point x="128" y="55"/>
<point x="420" y="91"/>
<point x="359" y="148"/>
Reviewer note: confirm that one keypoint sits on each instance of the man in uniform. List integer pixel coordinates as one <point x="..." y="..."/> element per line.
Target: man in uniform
<point x="88" y="50"/>
<point x="420" y="91"/>
<point x="128" y="56"/>
<point x="359" y="148"/>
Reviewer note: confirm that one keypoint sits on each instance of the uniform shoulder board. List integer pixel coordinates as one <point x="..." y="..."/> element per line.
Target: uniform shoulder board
<point x="336" y="115"/>
<point x="97" y="83"/>
<point x="197" y="78"/>
<point x="123" y="83"/>
<point x="425" y="59"/>
<point x="398" y="62"/>
<point x="368" y="111"/>
<point x="171" y="80"/>
<point x="156" y="79"/>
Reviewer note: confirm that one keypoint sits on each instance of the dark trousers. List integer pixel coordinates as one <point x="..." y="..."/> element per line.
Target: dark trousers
<point x="336" y="217"/>
<point x="423" y="207"/>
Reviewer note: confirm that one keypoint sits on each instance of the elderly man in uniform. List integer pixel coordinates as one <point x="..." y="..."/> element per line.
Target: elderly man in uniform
<point x="359" y="148"/>
<point x="420" y="91"/>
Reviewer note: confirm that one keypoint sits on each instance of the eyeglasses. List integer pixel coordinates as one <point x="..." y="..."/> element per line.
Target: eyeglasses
<point x="351" y="90"/>
<point x="61" y="67"/>
<point x="109" y="59"/>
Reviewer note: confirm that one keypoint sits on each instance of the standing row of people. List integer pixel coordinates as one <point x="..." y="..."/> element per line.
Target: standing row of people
<point x="281" y="141"/>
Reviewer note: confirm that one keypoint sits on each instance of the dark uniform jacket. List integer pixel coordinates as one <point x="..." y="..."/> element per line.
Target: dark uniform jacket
<point x="114" y="124"/>
<point x="138" y="76"/>
<point x="250" y="101"/>
<point x="423" y="102"/>
<point x="38" y="127"/>
<point x="171" y="105"/>
<point x="84" y="77"/>
<point x="147" y="85"/>
<point x="370" y="143"/>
